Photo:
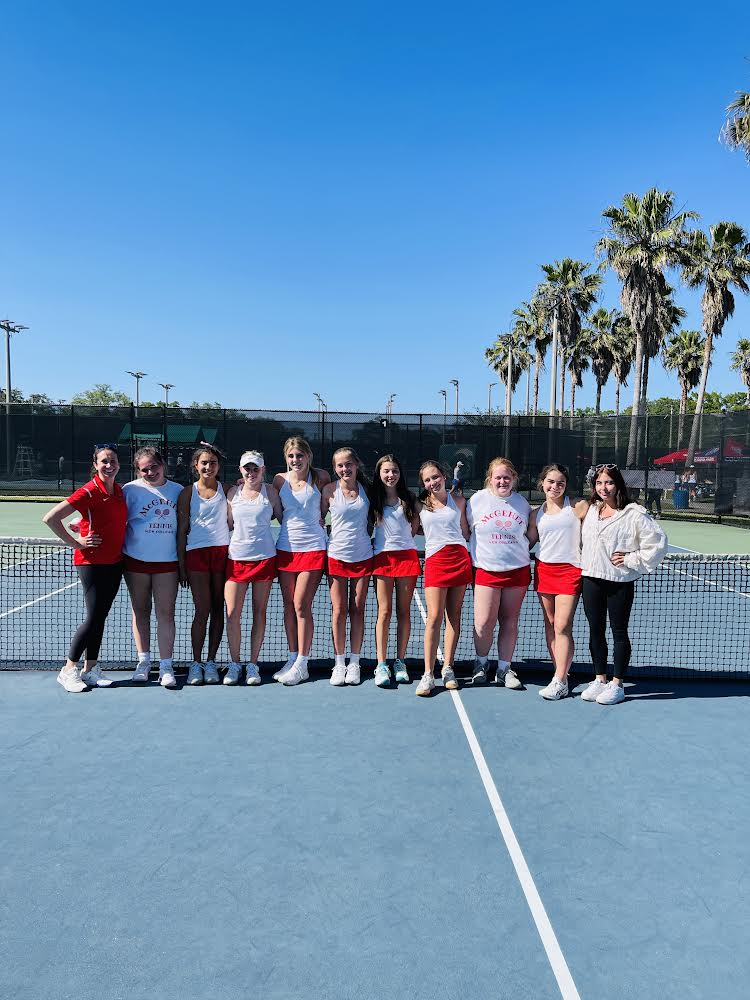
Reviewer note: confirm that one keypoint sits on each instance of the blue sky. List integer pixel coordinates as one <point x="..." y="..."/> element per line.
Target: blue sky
<point x="258" y="202"/>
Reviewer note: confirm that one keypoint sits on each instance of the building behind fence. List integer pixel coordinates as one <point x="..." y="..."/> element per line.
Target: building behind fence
<point x="46" y="448"/>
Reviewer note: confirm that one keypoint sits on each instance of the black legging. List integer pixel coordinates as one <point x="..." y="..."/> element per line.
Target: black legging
<point x="100" y="585"/>
<point x="602" y="597"/>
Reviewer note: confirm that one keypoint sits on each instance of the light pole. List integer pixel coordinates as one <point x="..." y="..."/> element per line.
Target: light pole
<point x="9" y="328"/>
<point x="389" y="417"/>
<point x="166" y="386"/>
<point x="444" y="394"/>
<point x="454" y="381"/>
<point x="137" y="376"/>
<point x="490" y="386"/>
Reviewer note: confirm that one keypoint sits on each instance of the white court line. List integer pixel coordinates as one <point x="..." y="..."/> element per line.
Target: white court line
<point x="711" y="583"/>
<point x="38" y="600"/>
<point x="555" y="956"/>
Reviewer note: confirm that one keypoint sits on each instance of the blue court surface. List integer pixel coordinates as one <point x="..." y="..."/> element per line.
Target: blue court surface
<point x="321" y="842"/>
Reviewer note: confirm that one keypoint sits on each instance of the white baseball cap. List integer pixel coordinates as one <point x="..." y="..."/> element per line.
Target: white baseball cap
<point x="252" y="456"/>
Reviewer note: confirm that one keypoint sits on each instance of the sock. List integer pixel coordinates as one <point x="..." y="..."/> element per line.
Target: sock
<point x="339" y="660"/>
<point x="165" y="664"/>
<point x="354" y="659"/>
<point x="301" y="661"/>
<point x="482" y="661"/>
<point x="503" y="665"/>
<point x="291" y="657"/>
<point x="145" y="657"/>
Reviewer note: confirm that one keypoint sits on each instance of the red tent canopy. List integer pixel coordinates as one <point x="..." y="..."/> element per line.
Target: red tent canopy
<point x="673" y="458"/>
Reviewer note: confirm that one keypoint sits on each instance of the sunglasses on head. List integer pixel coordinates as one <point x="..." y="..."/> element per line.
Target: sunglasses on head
<point x="606" y="467"/>
<point x="109" y="445"/>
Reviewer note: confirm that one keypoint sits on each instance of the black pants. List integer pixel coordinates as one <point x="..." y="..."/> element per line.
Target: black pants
<point x="653" y="498"/>
<point x="100" y="585"/>
<point x="602" y="598"/>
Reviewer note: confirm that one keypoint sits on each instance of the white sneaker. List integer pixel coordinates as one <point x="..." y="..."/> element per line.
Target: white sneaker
<point x="612" y="694"/>
<point x="141" y="672"/>
<point x="95" y="678"/>
<point x="509" y="678"/>
<point x="479" y="673"/>
<point x="352" y="675"/>
<point x="593" y="690"/>
<point x="252" y="675"/>
<point x="295" y="675"/>
<point x="426" y="685"/>
<point x="210" y="672"/>
<point x="167" y="678"/>
<point x="449" y="679"/>
<point x="233" y="674"/>
<point x="338" y="675"/>
<point x="282" y="670"/>
<point x="555" y="690"/>
<point x="71" y="680"/>
<point x="195" y="673"/>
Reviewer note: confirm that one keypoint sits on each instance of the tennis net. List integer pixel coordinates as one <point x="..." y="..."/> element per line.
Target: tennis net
<point x="691" y="618"/>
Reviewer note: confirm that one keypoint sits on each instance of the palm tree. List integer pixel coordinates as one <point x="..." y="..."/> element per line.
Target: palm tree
<point x="715" y="261"/>
<point x="569" y="291"/>
<point x="624" y="338"/>
<point x="602" y="346"/>
<point x="741" y="363"/>
<point x="736" y="130"/>
<point x="683" y="353"/>
<point x="578" y="356"/>
<point x="532" y="321"/>
<point x="646" y="236"/>
<point x="496" y="356"/>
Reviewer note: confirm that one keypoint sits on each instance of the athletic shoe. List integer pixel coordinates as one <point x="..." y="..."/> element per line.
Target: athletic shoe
<point x="210" y="672"/>
<point x="167" y="678"/>
<point x="352" y="673"/>
<point x="402" y="672"/>
<point x="141" y="672"/>
<point x="71" y="680"/>
<point x="479" y="673"/>
<point x="233" y="674"/>
<point x="195" y="673"/>
<point x="252" y="675"/>
<point x="426" y="685"/>
<point x="338" y="675"/>
<point x="449" y="679"/>
<point x="95" y="678"/>
<point x="509" y="678"/>
<point x="295" y="675"/>
<point x="593" y="690"/>
<point x="287" y="666"/>
<point x="383" y="675"/>
<point x="555" y="690"/>
<point x="613" y="694"/>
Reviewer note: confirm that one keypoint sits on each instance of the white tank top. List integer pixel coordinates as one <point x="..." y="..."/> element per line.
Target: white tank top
<point x="393" y="532"/>
<point x="301" y="530"/>
<point x="208" y="520"/>
<point x="151" y="533"/>
<point x="559" y="535"/>
<point x="441" y="527"/>
<point x="498" y="531"/>
<point x="350" y="541"/>
<point x="251" y="538"/>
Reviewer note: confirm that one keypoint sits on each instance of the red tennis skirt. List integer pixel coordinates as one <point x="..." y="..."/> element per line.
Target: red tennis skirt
<point x="500" y="579"/>
<point x="132" y="565"/>
<point x="251" y="570"/>
<point x="300" y="562"/>
<point x="209" y="559"/>
<point x="448" y="567"/>
<point x="557" y="578"/>
<point x="403" y="562"/>
<point x="337" y="567"/>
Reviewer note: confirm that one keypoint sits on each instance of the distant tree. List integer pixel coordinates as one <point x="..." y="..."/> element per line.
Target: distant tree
<point x="736" y="130"/>
<point x="683" y="353"/>
<point x="16" y="396"/>
<point x="101" y="395"/>
<point x="741" y="364"/>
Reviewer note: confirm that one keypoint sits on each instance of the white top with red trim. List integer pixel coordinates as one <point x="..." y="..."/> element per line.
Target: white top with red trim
<point x="151" y="534"/>
<point x="208" y="520"/>
<point x="441" y="527"/>
<point x="559" y="535"/>
<point x="393" y="531"/>
<point x="350" y="540"/>
<point x="301" y="530"/>
<point x="251" y="538"/>
<point x="498" y="531"/>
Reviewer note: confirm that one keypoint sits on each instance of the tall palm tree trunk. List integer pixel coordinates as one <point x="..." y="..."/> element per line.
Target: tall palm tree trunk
<point x="637" y="388"/>
<point x="572" y="399"/>
<point x="537" y="367"/>
<point x="597" y="414"/>
<point x="683" y="410"/>
<point x="617" y="417"/>
<point x="528" y="390"/>
<point x="708" y="347"/>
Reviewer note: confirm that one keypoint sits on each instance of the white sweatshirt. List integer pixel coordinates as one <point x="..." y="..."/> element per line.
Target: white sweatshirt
<point x="631" y="531"/>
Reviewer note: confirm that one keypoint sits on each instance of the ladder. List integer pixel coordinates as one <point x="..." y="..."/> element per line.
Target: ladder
<point x="22" y="468"/>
